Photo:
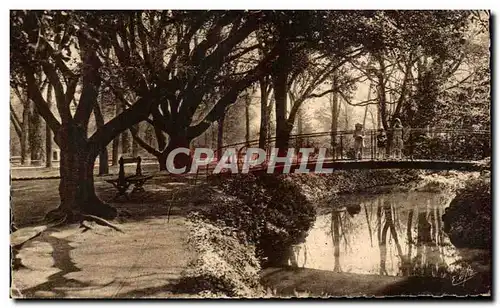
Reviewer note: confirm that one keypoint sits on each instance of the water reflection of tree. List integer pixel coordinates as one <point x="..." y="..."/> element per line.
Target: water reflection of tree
<point x="336" y="221"/>
<point x="429" y="258"/>
<point x="341" y="227"/>
<point x="428" y="244"/>
<point x="410" y="226"/>
<point x="385" y="208"/>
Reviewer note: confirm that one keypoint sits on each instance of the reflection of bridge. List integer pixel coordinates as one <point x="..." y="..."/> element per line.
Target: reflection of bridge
<point x="434" y="149"/>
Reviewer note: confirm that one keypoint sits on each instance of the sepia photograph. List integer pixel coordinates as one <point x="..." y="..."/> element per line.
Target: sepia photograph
<point x="250" y="154"/>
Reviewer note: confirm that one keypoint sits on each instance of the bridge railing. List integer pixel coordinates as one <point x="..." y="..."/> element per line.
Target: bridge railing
<point x="415" y="144"/>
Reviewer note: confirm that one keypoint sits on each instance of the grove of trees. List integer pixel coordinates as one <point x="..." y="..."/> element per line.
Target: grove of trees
<point x="90" y="81"/>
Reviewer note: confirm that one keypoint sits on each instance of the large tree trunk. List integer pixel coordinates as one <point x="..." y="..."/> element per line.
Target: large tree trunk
<point x="76" y="187"/>
<point x="180" y="160"/>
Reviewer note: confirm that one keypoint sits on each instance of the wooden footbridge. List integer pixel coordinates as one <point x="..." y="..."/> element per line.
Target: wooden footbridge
<point x="422" y="148"/>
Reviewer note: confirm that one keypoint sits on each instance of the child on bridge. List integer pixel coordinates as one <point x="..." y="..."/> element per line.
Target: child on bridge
<point x="397" y="138"/>
<point x="359" y="136"/>
<point x="381" y="143"/>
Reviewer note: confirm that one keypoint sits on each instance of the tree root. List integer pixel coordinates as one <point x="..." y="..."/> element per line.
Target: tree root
<point x="59" y="216"/>
<point x="85" y="227"/>
<point x="100" y="221"/>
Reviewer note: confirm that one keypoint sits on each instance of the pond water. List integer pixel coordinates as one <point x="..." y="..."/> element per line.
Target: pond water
<point x="396" y="234"/>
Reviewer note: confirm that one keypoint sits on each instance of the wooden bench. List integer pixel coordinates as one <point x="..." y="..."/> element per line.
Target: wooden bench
<point x="122" y="183"/>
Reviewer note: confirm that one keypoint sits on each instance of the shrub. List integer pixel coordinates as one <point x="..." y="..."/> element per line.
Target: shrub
<point x="449" y="147"/>
<point x="467" y="220"/>
<point x="270" y="210"/>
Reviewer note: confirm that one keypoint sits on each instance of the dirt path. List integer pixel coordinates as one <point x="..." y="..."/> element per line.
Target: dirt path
<point x="145" y="261"/>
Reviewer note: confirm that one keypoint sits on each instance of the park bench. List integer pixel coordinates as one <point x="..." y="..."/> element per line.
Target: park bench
<point x="122" y="183"/>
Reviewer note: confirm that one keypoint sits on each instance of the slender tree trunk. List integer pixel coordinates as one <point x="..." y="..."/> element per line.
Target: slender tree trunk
<point x="135" y="146"/>
<point x="25" y="150"/>
<point x="35" y="136"/>
<point x="114" y="151"/>
<point x="162" y="144"/>
<point x="205" y="135"/>
<point x="264" y="116"/>
<point x="364" y="117"/>
<point x="126" y="144"/>
<point x="48" y="132"/>
<point x="149" y="135"/>
<point x="270" y="127"/>
<point x="346" y="116"/>
<point x="379" y="122"/>
<point x="103" y="155"/>
<point x="116" y="142"/>
<point x="248" y="100"/>
<point x="213" y="135"/>
<point x="280" y="80"/>
<point x="220" y="136"/>
<point x="334" y="105"/>
<point x="162" y="161"/>
<point x="300" y="128"/>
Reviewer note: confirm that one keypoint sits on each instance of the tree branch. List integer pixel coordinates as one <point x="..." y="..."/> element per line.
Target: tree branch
<point x="133" y="115"/>
<point x="91" y="83"/>
<point x="40" y="103"/>
<point x="211" y="65"/>
<point x="125" y="103"/>
<point x="61" y="102"/>
<point x="229" y="98"/>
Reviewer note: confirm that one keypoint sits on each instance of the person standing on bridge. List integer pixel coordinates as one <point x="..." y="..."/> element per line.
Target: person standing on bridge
<point x="397" y="138"/>
<point x="381" y="143"/>
<point x="359" y="136"/>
